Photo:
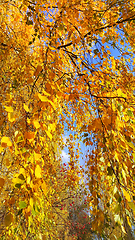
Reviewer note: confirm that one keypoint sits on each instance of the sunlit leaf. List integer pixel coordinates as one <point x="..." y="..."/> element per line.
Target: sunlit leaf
<point x="49" y="134"/>
<point x="38" y="171"/>
<point x="45" y="99"/>
<point x="44" y="187"/>
<point x="127" y="196"/>
<point x="36" y="124"/>
<point x="26" y="108"/>
<point x="31" y="202"/>
<point x="9" y="109"/>
<point x="117" y="219"/>
<point x="22" y="204"/>
<point x="123" y="229"/>
<point x="5" y="141"/>
<point x="131" y="205"/>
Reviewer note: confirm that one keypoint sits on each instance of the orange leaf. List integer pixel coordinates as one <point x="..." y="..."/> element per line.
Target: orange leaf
<point x="29" y="135"/>
<point x="38" y="70"/>
<point x="2" y="181"/>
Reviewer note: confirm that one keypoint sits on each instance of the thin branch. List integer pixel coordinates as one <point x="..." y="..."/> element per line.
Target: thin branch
<point x="111" y="25"/>
<point x="65" y="45"/>
<point x="101" y="28"/>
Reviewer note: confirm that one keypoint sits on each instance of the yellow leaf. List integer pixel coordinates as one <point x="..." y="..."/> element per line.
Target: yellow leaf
<point x="52" y="127"/>
<point x="124" y="175"/>
<point x="38" y="172"/>
<point x="46" y="93"/>
<point x="119" y="92"/>
<point x="36" y="124"/>
<point x="28" y="179"/>
<point x="11" y="117"/>
<point x="127" y="196"/>
<point x="123" y="229"/>
<point x="7" y="162"/>
<point x="26" y="107"/>
<point x="52" y="48"/>
<point x="22" y="171"/>
<point x="49" y="134"/>
<point x="5" y="141"/>
<point x="45" y="99"/>
<point x="37" y="156"/>
<point x="53" y="105"/>
<point x="31" y="202"/>
<point x="9" y="109"/>
<point x="129" y="223"/>
<point x="44" y="188"/>
<point x="2" y="181"/>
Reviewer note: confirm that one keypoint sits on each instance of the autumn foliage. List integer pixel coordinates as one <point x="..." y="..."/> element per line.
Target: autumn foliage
<point x="66" y="66"/>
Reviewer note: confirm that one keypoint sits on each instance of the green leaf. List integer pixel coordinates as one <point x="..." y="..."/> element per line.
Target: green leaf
<point x="18" y="185"/>
<point x="94" y="16"/>
<point x="29" y="22"/>
<point x="8" y="219"/>
<point x="61" y="27"/>
<point x="21" y="177"/>
<point x="120" y="107"/>
<point x="109" y="171"/>
<point x="37" y="208"/>
<point x="34" y="213"/>
<point x="85" y="135"/>
<point x="15" y="84"/>
<point x="119" y="199"/>
<point x="19" y="212"/>
<point x="128" y="213"/>
<point x="128" y="138"/>
<point x="129" y="113"/>
<point x="96" y="51"/>
<point x="22" y="204"/>
<point x="117" y="208"/>
<point x="104" y="149"/>
<point x="131" y="205"/>
<point x="130" y="144"/>
<point x="30" y="42"/>
<point x="117" y="196"/>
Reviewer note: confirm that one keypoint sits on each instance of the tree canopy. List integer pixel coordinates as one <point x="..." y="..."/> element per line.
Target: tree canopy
<point x="66" y="65"/>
